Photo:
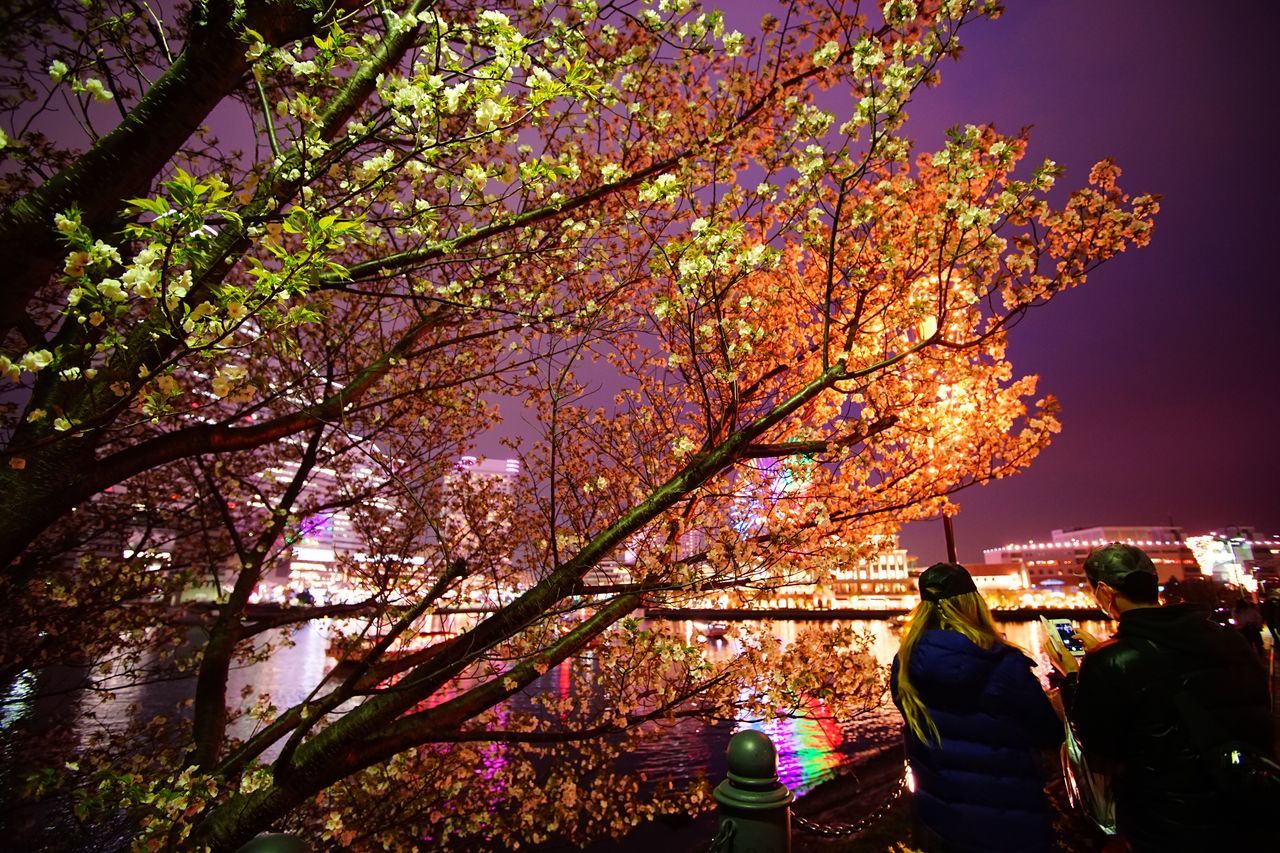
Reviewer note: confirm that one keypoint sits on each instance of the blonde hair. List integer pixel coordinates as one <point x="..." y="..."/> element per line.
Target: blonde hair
<point x="966" y="614"/>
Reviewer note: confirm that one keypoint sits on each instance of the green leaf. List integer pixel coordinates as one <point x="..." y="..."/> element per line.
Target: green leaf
<point x="149" y="205"/>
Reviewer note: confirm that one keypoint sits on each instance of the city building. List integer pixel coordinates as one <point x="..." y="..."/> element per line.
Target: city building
<point x="999" y="577"/>
<point x="1055" y="563"/>
<point x="886" y="579"/>
<point x="328" y="540"/>
<point x="608" y="574"/>
<point x="473" y="495"/>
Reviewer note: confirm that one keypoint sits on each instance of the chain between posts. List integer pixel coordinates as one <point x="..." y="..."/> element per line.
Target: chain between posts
<point x="847" y="830"/>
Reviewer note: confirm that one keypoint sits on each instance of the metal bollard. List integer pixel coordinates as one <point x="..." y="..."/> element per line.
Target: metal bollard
<point x="755" y="808"/>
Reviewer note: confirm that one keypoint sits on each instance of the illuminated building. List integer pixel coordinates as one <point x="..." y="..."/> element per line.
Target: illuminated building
<point x="326" y="540"/>
<point x="998" y="577"/>
<point x="469" y="490"/>
<point x="609" y="573"/>
<point x="499" y="473"/>
<point x="1056" y="563"/>
<point x="1237" y="556"/>
<point x="478" y="501"/>
<point x="885" y="578"/>
<point x="321" y="540"/>
<point x="880" y="580"/>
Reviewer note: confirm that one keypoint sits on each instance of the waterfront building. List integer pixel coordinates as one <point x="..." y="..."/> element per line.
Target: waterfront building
<point x="882" y="580"/>
<point x="323" y="539"/>
<point x="998" y="578"/>
<point x="328" y="545"/>
<point x="473" y="501"/>
<point x="1055" y="563"/>
<point x="609" y="573"/>
<point x="885" y="579"/>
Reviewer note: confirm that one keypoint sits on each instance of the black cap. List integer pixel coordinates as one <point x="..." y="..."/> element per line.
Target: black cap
<point x="945" y="580"/>
<point x="1123" y="567"/>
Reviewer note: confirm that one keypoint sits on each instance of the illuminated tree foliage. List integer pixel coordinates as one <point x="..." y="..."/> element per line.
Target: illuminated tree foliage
<point x="309" y="251"/>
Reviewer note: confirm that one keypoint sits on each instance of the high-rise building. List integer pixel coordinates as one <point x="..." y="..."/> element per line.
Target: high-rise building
<point x="474" y="492"/>
<point x="326" y="538"/>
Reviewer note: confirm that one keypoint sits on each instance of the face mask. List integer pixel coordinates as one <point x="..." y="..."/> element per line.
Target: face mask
<point x="1107" y="605"/>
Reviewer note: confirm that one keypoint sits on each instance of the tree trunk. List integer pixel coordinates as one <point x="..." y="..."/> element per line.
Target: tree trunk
<point x="122" y="164"/>
<point x="210" y="723"/>
<point x="29" y="498"/>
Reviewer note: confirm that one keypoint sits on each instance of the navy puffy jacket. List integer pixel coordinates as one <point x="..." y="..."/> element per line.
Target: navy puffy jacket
<point x="982" y="788"/>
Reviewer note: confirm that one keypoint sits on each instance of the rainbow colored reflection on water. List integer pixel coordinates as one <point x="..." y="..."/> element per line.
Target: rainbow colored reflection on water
<point x="808" y="748"/>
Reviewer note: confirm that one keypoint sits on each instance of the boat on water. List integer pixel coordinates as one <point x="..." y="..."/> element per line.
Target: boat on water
<point x="711" y="630"/>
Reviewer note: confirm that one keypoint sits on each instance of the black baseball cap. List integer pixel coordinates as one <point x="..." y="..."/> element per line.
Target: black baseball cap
<point x="1125" y="568"/>
<point x="945" y="580"/>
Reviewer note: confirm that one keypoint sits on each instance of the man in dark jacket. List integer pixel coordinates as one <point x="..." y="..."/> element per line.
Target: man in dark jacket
<point x="1124" y="706"/>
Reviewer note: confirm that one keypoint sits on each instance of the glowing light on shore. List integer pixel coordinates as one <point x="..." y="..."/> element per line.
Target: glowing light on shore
<point x="1217" y="557"/>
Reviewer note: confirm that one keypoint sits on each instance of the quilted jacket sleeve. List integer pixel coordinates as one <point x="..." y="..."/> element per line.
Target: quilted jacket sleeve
<point x="1017" y="686"/>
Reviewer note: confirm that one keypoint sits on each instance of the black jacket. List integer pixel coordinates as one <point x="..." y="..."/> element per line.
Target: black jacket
<point x="1124" y="711"/>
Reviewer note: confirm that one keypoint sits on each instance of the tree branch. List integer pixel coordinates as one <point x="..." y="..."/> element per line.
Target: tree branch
<point x="123" y="163"/>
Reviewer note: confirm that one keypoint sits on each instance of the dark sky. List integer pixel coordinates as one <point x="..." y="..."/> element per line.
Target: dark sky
<point x="1165" y="361"/>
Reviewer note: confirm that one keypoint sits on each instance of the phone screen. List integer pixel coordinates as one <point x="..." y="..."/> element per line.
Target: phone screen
<point x="1066" y="631"/>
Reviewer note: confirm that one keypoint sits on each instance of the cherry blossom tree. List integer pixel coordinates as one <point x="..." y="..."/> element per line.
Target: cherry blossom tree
<point x="733" y="325"/>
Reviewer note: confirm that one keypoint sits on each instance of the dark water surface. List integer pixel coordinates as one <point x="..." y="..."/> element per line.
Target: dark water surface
<point x="810" y="751"/>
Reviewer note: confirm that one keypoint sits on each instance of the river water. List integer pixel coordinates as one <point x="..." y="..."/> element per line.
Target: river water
<point x="810" y="751"/>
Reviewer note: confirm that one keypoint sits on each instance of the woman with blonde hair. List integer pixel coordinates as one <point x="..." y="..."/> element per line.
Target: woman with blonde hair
<point x="977" y="724"/>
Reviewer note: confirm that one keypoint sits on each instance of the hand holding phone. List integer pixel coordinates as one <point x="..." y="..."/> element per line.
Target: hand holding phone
<point x="1065" y="633"/>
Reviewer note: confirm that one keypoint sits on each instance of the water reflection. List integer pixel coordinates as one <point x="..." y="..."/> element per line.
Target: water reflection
<point x="813" y="747"/>
<point x="17" y="700"/>
<point x="810" y="749"/>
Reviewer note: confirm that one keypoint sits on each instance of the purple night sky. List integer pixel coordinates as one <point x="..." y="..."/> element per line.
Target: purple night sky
<point x="1165" y="361"/>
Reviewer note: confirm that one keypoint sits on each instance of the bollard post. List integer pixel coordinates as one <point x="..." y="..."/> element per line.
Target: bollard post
<point x="754" y="804"/>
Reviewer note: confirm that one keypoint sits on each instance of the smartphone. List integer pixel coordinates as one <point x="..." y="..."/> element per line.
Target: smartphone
<point x="1066" y="632"/>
